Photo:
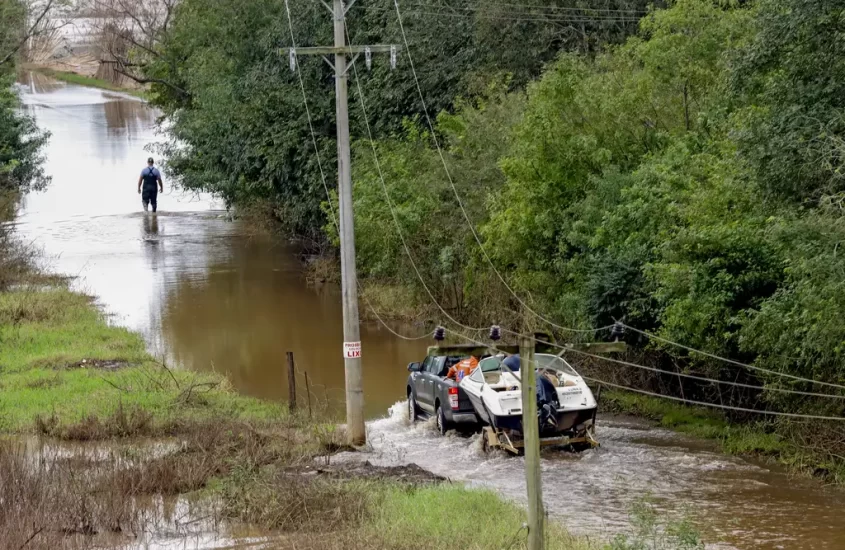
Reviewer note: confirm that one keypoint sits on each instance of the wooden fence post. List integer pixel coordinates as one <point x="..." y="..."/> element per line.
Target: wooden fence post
<point x="291" y="382"/>
<point x="308" y="391"/>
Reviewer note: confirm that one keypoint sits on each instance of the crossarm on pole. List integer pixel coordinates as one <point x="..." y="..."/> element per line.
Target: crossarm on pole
<point x="332" y="50"/>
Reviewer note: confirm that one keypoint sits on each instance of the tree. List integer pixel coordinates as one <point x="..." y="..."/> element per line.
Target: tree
<point x="20" y="140"/>
<point x="788" y="86"/>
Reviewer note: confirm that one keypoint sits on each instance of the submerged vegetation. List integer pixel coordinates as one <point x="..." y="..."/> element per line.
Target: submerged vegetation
<point x="154" y="433"/>
<point x="681" y="173"/>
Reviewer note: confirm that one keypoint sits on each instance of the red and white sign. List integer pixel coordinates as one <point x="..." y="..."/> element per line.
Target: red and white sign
<point x="352" y="350"/>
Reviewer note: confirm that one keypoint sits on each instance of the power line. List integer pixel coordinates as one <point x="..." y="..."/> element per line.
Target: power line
<point x="563" y="8"/>
<point x="517" y="9"/>
<point x="529" y="17"/>
<point x="690" y="376"/>
<point x="452" y="183"/>
<point x="520" y="17"/>
<point x="498" y="273"/>
<point x="497" y="5"/>
<point x="393" y="209"/>
<point x="696" y="377"/>
<point x="716" y="405"/>
<point x="732" y="361"/>
<point x="680" y="399"/>
<point x="325" y="184"/>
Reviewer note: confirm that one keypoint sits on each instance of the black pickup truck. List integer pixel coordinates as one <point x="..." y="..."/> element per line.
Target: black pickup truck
<point x="430" y="393"/>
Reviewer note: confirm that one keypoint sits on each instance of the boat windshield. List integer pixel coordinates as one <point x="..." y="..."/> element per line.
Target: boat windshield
<point x="491" y="364"/>
<point x="545" y="360"/>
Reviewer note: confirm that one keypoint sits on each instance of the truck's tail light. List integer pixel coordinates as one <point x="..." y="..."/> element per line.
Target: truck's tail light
<point x="453" y="398"/>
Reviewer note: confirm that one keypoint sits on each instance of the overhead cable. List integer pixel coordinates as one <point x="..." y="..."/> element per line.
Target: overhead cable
<point x="454" y="189"/>
<point x="732" y="361"/>
<point x="672" y="398"/>
<point x="325" y="184"/>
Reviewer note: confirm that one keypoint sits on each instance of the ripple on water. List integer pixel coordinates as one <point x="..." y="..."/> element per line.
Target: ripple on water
<point x="737" y="503"/>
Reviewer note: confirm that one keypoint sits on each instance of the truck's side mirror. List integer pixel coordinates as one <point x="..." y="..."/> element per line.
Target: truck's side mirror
<point x="414" y="367"/>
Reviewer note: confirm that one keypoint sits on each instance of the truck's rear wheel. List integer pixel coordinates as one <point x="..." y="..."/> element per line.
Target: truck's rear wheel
<point x="443" y="425"/>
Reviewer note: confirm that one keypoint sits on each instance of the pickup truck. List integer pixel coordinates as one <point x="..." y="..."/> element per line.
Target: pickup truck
<point x="430" y="393"/>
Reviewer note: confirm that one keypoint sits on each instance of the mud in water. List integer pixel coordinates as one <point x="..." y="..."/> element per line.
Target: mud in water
<point x="735" y="503"/>
<point x="205" y="294"/>
<point x="208" y="296"/>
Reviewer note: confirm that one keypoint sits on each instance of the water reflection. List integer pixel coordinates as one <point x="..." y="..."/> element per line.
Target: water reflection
<point x="153" y="246"/>
<point x="250" y="308"/>
<point x="204" y="295"/>
<point x="128" y="117"/>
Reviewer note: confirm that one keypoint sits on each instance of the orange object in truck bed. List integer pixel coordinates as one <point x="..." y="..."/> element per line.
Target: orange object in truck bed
<point x="462" y="368"/>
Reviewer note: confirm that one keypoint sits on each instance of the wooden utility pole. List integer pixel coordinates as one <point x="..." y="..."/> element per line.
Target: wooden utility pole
<point x="349" y="280"/>
<point x="531" y="435"/>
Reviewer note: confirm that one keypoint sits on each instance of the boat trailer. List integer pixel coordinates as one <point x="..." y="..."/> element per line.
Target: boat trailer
<point x="513" y="443"/>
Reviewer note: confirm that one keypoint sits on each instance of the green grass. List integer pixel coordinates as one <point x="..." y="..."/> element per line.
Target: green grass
<point x="454" y="517"/>
<point x="44" y="337"/>
<point x="91" y="82"/>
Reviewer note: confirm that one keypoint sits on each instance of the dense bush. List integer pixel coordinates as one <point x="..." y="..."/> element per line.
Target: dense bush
<point x="20" y="140"/>
<point x="687" y="179"/>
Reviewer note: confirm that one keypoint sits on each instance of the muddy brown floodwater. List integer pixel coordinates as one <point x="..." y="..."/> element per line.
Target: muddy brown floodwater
<point x="207" y="296"/>
<point x="204" y="293"/>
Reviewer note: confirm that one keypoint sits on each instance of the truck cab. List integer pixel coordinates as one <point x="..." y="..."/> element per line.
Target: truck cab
<point x="431" y="393"/>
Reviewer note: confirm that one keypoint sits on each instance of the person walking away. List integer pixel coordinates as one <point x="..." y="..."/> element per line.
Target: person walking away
<point x="147" y="183"/>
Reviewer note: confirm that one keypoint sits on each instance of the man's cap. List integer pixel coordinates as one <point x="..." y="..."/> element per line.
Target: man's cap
<point x="150" y="161"/>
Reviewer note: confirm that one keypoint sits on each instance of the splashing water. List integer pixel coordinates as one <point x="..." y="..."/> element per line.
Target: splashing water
<point x="736" y="503"/>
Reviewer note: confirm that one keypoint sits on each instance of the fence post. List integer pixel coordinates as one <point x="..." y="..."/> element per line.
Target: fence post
<point x="291" y="382"/>
<point x="308" y="392"/>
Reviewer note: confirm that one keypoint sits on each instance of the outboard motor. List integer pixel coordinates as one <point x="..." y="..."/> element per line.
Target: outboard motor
<point x="547" y="403"/>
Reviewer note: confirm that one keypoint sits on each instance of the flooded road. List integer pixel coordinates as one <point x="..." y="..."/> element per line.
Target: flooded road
<point x="203" y="293"/>
<point x="206" y="296"/>
<point x="735" y="503"/>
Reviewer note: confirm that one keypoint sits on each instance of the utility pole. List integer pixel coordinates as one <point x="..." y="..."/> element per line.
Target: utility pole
<point x="531" y="441"/>
<point x="355" y="428"/>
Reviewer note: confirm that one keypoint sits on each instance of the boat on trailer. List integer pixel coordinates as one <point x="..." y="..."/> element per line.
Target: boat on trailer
<point x="565" y="404"/>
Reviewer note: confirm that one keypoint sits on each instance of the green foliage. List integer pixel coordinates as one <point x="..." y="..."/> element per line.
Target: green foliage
<point x="427" y="211"/>
<point x="237" y="124"/>
<point x="90" y="82"/>
<point x="686" y="179"/>
<point x="789" y="85"/>
<point x="20" y="140"/>
<point x="59" y="358"/>
<point x="407" y="516"/>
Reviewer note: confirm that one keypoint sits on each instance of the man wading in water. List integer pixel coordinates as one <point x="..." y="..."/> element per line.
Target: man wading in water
<point x="149" y="180"/>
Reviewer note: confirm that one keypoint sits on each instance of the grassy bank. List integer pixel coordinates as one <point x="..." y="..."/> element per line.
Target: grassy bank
<point x="781" y="442"/>
<point x="82" y="80"/>
<point x="66" y="373"/>
<point x="120" y="432"/>
<point x="62" y="364"/>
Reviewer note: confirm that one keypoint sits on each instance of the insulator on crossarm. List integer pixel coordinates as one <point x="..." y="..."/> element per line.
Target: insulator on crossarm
<point x="368" y="57"/>
<point x="495" y="333"/>
<point x="439" y="334"/>
<point x="292" y="56"/>
<point x="618" y="331"/>
<point x="393" y="57"/>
